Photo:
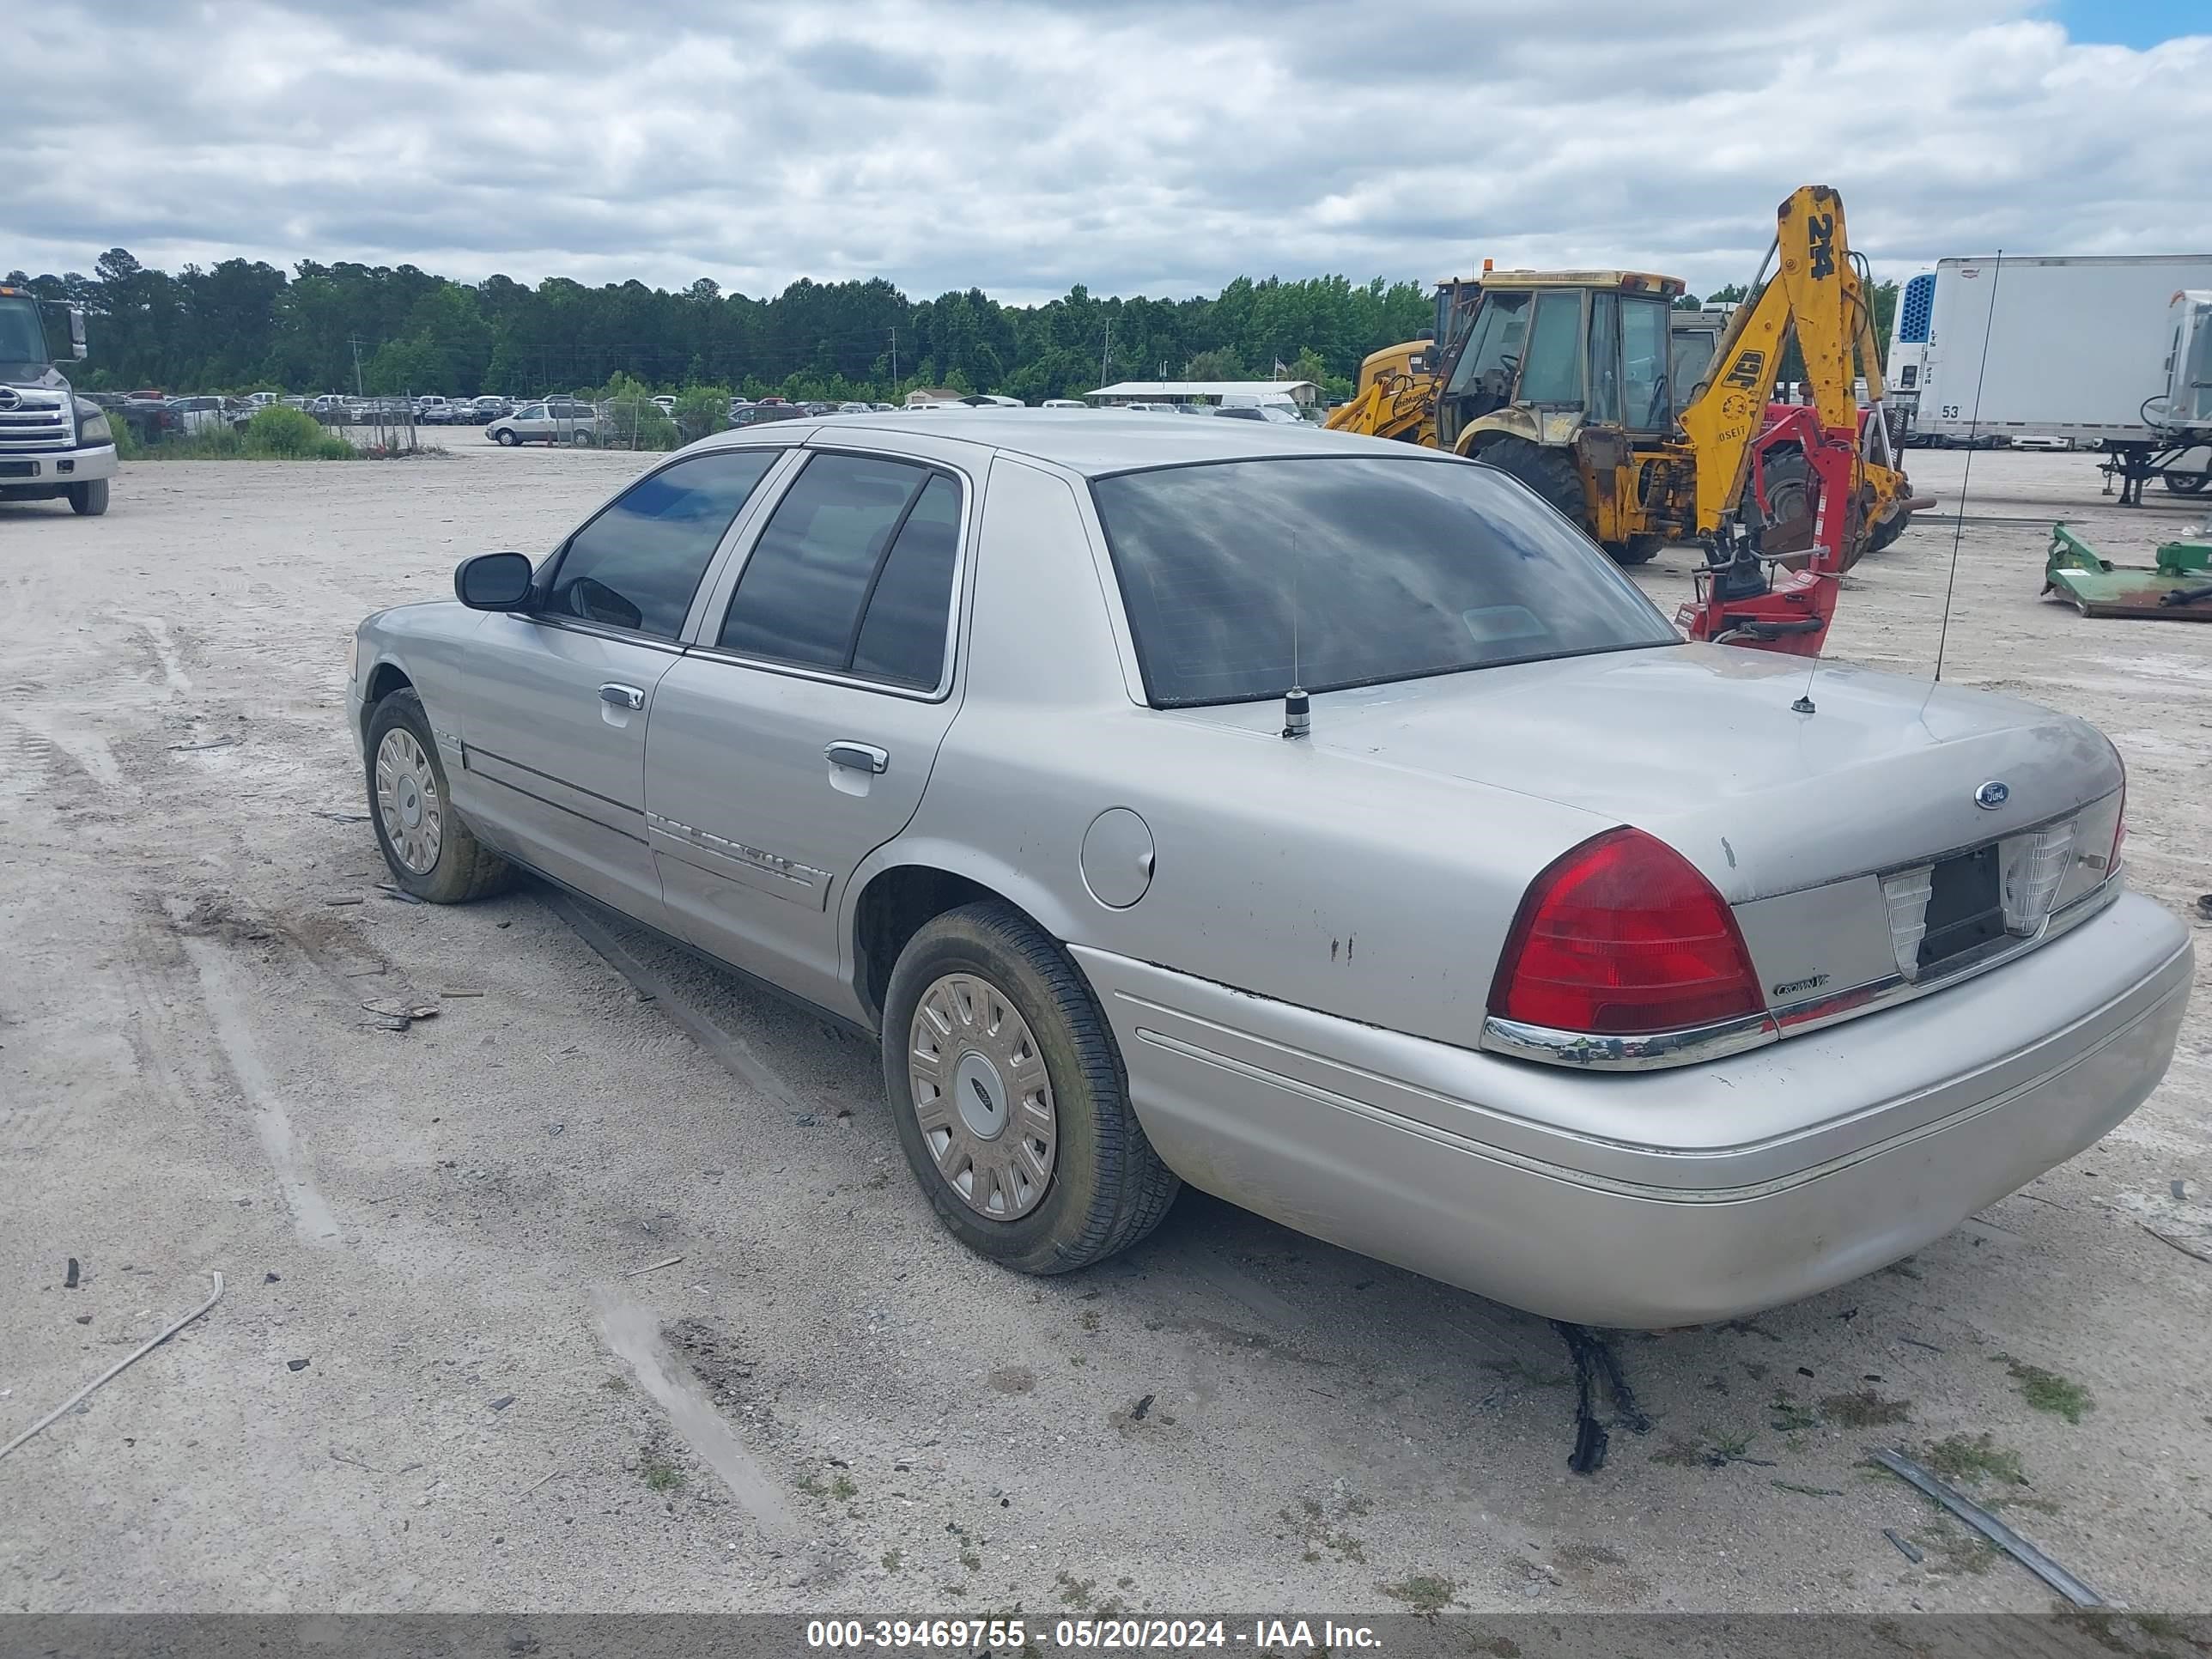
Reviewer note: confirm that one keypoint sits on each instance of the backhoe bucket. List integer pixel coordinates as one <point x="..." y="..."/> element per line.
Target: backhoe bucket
<point x="2178" y="589"/>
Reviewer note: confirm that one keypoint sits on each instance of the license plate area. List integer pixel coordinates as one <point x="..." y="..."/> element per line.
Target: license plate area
<point x="1966" y="908"/>
<point x="19" y="469"/>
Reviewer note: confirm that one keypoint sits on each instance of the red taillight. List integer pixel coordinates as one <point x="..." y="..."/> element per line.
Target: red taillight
<point x="1620" y="936"/>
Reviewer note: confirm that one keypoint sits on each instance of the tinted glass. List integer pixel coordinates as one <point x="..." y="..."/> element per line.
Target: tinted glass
<point x="902" y="633"/>
<point x="1552" y="371"/>
<point x="1369" y="570"/>
<point x="637" y="564"/>
<point x="809" y="575"/>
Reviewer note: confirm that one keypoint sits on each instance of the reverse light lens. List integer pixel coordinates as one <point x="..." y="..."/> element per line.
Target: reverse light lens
<point x="1622" y="937"/>
<point x="2034" y="865"/>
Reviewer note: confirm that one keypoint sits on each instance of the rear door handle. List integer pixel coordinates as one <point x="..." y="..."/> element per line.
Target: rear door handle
<point x="623" y="696"/>
<point x="859" y="757"/>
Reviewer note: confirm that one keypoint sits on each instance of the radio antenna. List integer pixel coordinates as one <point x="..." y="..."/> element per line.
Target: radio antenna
<point x="1298" y="708"/>
<point x="1974" y="432"/>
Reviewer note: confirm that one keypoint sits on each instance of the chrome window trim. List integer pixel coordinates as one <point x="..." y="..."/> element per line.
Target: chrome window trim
<point x="1656" y="1050"/>
<point x="601" y="630"/>
<point x="710" y="625"/>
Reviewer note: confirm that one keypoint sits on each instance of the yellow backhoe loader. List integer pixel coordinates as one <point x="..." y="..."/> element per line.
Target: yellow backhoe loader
<point x="1574" y="382"/>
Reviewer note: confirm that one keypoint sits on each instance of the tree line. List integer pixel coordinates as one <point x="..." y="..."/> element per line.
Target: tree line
<point x="244" y="325"/>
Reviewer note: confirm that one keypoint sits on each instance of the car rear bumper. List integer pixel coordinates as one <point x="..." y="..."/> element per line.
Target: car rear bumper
<point x="1656" y="1199"/>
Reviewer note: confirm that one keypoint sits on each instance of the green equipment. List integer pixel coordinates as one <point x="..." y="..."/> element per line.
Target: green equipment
<point x="2177" y="588"/>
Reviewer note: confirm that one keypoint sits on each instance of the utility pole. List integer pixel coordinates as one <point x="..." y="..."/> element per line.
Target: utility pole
<point x="353" y="340"/>
<point x="1105" y="353"/>
<point x="894" y="359"/>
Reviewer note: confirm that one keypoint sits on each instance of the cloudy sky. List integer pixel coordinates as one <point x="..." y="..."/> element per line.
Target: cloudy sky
<point x="1155" y="146"/>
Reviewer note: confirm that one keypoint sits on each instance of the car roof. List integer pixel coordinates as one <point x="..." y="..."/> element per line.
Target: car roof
<point x="1093" y="442"/>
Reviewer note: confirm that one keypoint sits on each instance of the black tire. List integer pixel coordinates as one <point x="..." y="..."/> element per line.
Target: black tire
<point x="1789" y="502"/>
<point x="1550" y="472"/>
<point x="465" y="868"/>
<point x="2188" y="483"/>
<point x="505" y="437"/>
<point x="89" y="500"/>
<point x="581" y="438"/>
<point x="1108" y="1189"/>
<point x="1637" y="549"/>
<point x="1885" y="534"/>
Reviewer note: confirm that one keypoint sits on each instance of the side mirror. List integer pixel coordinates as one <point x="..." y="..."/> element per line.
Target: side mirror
<point x="493" y="581"/>
<point x="77" y="348"/>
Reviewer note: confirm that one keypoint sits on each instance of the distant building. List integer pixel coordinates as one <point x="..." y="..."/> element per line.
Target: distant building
<point x="931" y="394"/>
<point x="1304" y="394"/>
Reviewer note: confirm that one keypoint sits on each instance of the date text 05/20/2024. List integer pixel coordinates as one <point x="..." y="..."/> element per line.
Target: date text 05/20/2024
<point x="1072" y="1635"/>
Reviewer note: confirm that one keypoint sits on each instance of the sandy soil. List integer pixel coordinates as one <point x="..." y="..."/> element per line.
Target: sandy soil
<point x="825" y="1402"/>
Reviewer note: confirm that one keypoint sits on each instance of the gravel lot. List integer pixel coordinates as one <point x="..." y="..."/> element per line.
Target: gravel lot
<point x="826" y="1404"/>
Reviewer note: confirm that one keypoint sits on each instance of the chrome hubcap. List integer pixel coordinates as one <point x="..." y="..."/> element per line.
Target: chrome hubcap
<point x="982" y="1096"/>
<point x="407" y="801"/>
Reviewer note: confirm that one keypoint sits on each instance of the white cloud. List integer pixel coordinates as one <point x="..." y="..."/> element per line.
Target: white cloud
<point x="1023" y="147"/>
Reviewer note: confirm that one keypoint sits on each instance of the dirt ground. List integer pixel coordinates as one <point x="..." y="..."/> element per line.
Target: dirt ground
<point x="446" y="1372"/>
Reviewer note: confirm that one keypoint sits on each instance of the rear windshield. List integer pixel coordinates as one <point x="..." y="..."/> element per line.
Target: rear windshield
<point x="1363" y="570"/>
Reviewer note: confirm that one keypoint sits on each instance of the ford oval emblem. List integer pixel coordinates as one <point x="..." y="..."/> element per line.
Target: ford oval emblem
<point x="1991" y="795"/>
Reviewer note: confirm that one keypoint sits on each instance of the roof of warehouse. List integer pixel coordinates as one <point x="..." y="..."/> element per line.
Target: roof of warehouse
<point x="1198" y="388"/>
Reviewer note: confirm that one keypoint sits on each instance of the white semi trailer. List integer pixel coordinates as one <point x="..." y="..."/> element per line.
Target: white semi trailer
<point x="2042" y="349"/>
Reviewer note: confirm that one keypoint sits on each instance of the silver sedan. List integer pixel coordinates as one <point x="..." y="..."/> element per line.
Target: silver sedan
<point x="1329" y="825"/>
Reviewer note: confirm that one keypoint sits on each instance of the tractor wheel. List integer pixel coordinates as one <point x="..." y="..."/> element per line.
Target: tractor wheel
<point x="1884" y="534"/>
<point x="1550" y="472"/>
<point x="1637" y="549"/>
<point x="1790" y="495"/>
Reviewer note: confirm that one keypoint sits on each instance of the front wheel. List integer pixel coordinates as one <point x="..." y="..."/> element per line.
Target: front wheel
<point x="2188" y="483"/>
<point x="505" y="437"/>
<point x="431" y="852"/>
<point x="1551" y="473"/>
<point x="1010" y="1098"/>
<point x="89" y="500"/>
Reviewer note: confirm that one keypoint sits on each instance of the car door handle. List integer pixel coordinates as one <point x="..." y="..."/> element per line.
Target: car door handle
<point x="623" y="696"/>
<point x="859" y="757"/>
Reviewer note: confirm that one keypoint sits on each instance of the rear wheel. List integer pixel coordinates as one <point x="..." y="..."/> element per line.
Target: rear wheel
<point x="1010" y="1098"/>
<point x="581" y="438"/>
<point x="89" y="499"/>
<point x="2189" y="483"/>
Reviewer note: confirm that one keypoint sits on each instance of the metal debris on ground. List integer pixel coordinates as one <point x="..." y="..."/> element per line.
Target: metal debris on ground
<point x="503" y="1402"/>
<point x="1137" y="1410"/>
<point x="400" y="893"/>
<point x="1990" y="1528"/>
<point x="2180" y="1188"/>
<point x="2193" y="1253"/>
<point x="212" y="743"/>
<point x="296" y="1365"/>
<point x="344" y="817"/>
<point x="655" y="1269"/>
<point x="114" y="1371"/>
<point x="344" y="898"/>
<point x="69" y="1278"/>
<point x="1594" y="1359"/>
<point x="1906" y="1546"/>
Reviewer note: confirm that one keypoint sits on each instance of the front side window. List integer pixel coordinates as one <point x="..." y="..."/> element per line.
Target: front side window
<point x="853" y="572"/>
<point x="637" y="564"/>
<point x="1243" y="578"/>
<point x="1496" y="342"/>
<point x="1605" y="358"/>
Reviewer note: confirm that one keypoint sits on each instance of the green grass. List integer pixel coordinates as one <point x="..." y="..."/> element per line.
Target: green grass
<point x="2047" y="1391"/>
<point x="1961" y="1459"/>
<point x="275" y="434"/>
<point x="660" y="1474"/>
<point x="1424" y="1592"/>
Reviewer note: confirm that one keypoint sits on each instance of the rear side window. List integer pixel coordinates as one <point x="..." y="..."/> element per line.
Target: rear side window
<point x="637" y="564"/>
<point x="853" y="572"/>
<point x="1244" y="578"/>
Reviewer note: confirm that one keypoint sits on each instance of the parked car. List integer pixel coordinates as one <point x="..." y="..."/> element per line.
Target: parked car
<point x="556" y="421"/>
<point x="852" y="409"/>
<point x="1276" y="414"/>
<point x="488" y="409"/>
<point x="1153" y="408"/>
<point x="882" y="409"/>
<point x="1584" y="968"/>
<point x="194" y="417"/>
<point x="1063" y="403"/>
<point x="263" y="400"/>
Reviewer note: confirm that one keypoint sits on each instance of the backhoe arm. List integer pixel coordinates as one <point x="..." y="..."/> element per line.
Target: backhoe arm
<point x="1816" y="294"/>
